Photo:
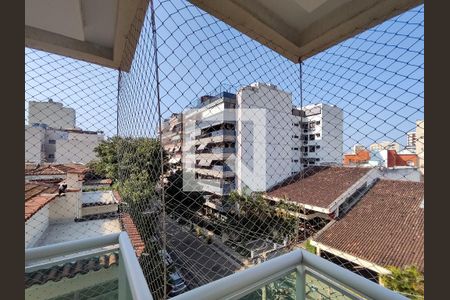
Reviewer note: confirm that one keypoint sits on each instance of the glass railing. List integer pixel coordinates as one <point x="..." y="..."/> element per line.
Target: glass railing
<point x="295" y="275"/>
<point x="104" y="267"/>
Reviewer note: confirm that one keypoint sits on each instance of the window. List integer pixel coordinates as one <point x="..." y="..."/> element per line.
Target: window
<point x="317" y="147"/>
<point x="317" y="159"/>
<point x="295" y="160"/>
<point x="317" y="134"/>
<point x="312" y="148"/>
<point x="317" y="122"/>
<point x="295" y="136"/>
<point x="51" y="156"/>
<point x="295" y="148"/>
<point x="312" y="137"/>
<point x="52" y="142"/>
<point x="304" y="137"/>
<point x="295" y="124"/>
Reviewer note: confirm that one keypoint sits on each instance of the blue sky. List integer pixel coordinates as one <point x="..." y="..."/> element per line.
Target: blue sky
<point x="376" y="77"/>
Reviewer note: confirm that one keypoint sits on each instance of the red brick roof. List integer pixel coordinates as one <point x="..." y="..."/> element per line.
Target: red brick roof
<point x="135" y="238"/>
<point x="385" y="227"/>
<point x="54" y="169"/>
<point x="37" y="195"/>
<point x="318" y="186"/>
<point x="70" y="269"/>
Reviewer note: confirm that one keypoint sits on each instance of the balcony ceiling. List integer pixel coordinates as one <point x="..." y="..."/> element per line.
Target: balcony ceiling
<point x="91" y="30"/>
<point x="298" y="29"/>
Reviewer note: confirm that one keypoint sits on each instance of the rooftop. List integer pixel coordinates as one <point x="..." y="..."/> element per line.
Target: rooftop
<point x="385" y="227"/>
<point x="318" y="186"/>
<point x="54" y="169"/>
<point x="37" y="195"/>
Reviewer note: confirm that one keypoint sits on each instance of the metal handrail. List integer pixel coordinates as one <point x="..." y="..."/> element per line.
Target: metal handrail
<point x="134" y="275"/>
<point x="244" y="282"/>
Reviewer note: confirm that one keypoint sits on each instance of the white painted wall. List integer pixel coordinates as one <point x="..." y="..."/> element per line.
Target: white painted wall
<point x="53" y="114"/>
<point x="278" y="135"/>
<point x="65" y="208"/>
<point x="36" y="226"/>
<point x="78" y="148"/>
<point x="34" y="140"/>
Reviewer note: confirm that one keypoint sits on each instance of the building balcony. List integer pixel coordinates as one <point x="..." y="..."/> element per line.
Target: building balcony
<point x="105" y="267"/>
<point x="222" y="132"/>
<point x="301" y="274"/>
<point x="216" y="187"/>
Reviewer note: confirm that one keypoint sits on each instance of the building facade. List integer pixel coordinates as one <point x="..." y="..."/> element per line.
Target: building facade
<point x="420" y="144"/>
<point x="54" y="114"/>
<point x="172" y="138"/>
<point x="295" y="137"/>
<point x="52" y="135"/>
<point x="385" y="145"/>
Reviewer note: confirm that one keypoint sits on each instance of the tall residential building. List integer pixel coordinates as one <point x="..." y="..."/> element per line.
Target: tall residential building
<point x="295" y="137"/>
<point x="52" y="135"/>
<point x="211" y="136"/>
<point x="411" y="138"/>
<point x="420" y="144"/>
<point x="54" y="114"/>
<point x="385" y="145"/>
<point x="172" y="138"/>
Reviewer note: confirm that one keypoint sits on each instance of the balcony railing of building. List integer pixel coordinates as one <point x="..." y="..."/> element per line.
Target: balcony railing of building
<point x="131" y="280"/>
<point x="308" y="270"/>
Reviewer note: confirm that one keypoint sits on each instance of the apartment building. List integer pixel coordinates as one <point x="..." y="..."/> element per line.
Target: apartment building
<point x="315" y="136"/>
<point x="420" y="144"/>
<point x="54" y="114"/>
<point x="411" y="138"/>
<point x="385" y="145"/>
<point x="172" y="138"/>
<point x="209" y="143"/>
<point x="52" y="135"/>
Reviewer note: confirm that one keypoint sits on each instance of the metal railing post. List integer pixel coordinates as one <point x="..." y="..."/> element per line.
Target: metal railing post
<point x="124" y="287"/>
<point x="300" y="283"/>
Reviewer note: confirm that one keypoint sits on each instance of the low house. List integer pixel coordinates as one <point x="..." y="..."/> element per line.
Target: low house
<point x="385" y="228"/>
<point x="323" y="191"/>
<point x="54" y="217"/>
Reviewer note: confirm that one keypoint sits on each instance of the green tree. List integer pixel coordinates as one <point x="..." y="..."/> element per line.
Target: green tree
<point x="408" y="280"/>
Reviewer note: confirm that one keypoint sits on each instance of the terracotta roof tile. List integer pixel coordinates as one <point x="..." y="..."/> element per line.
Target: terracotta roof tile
<point x="385" y="227"/>
<point x="55" y="169"/>
<point x="37" y="195"/>
<point x="71" y="269"/>
<point x="318" y="186"/>
<point x="136" y="240"/>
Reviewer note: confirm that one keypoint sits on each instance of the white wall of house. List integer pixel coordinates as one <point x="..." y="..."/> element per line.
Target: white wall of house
<point x="34" y="141"/>
<point x="65" y="208"/>
<point x="36" y="226"/>
<point x="54" y="114"/>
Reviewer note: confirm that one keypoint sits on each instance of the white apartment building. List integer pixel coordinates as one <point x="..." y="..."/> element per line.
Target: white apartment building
<point x="411" y="141"/>
<point x="54" y="114"/>
<point x="294" y="137"/>
<point x="385" y="145"/>
<point x="52" y="135"/>
<point x="420" y="144"/>
<point x="209" y="142"/>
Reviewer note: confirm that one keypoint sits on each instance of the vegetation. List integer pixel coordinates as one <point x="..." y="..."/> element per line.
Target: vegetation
<point x="408" y="280"/>
<point x="254" y="217"/>
<point x="310" y="247"/>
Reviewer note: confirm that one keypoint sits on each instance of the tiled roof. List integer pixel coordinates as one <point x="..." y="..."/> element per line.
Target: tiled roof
<point x="135" y="238"/>
<point x="386" y="226"/>
<point x="71" y="269"/>
<point x="54" y="169"/>
<point x="37" y="195"/>
<point x="318" y="186"/>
